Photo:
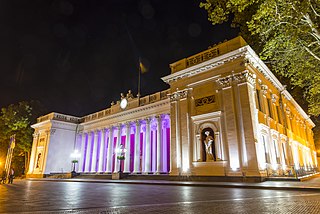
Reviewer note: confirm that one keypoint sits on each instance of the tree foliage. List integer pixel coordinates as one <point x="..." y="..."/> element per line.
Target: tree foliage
<point x="17" y="119"/>
<point x="284" y="33"/>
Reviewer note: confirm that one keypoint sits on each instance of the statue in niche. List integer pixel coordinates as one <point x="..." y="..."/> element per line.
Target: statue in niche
<point x="208" y="143"/>
<point x="38" y="160"/>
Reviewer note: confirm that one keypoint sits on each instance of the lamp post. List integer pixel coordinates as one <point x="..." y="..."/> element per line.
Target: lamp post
<point x="75" y="155"/>
<point x="120" y="152"/>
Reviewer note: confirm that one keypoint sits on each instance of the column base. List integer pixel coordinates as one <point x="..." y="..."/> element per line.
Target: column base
<point x="147" y="173"/>
<point x="160" y="173"/>
<point x="136" y="172"/>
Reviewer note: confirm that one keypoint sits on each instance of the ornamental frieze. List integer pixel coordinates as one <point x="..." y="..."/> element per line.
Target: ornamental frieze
<point x="205" y="101"/>
<point x="209" y="54"/>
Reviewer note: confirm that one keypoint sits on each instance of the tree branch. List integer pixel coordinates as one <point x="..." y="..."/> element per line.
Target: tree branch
<point x="314" y="11"/>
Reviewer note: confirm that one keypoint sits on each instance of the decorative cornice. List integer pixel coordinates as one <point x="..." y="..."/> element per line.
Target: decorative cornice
<point x="205" y="66"/>
<point x="150" y="106"/>
<point x="237" y="78"/>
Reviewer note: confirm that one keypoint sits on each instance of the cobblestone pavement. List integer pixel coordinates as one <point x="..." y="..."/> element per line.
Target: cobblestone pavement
<point x="71" y="197"/>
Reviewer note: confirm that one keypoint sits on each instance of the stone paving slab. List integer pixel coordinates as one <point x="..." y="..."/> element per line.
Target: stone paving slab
<point x="34" y="197"/>
<point x="310" y="205"/>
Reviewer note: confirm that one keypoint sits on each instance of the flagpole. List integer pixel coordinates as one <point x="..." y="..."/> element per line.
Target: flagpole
<point x="139" y="82"/>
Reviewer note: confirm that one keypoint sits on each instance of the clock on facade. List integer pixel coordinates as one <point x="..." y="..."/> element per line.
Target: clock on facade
<point x="123" y="103"/>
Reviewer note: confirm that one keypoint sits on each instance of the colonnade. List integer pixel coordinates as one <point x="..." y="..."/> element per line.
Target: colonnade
<point x="146" y="142"/>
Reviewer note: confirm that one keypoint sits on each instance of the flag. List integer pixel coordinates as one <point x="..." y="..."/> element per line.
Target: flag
<point x="142" y="67"/>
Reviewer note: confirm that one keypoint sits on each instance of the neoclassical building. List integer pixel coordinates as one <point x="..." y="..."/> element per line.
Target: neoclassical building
<point x="225" y="114"/>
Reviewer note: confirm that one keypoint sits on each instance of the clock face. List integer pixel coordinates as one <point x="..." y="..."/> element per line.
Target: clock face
<point x="123" y="103"/>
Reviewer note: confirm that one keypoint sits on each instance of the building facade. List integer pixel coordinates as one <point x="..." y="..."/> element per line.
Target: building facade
<point x="225" y="114"/>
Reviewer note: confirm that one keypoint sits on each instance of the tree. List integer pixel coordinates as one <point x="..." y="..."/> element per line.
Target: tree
<point x="17" y="119"/>
<point x="284" y="33"/>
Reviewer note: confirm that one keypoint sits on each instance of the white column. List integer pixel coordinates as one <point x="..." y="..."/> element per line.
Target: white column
<point x="33" y="152"/>
<point x="143" y="149"/>
<point x="102" y="147"/>
<point x="88" y="154"/>
<point x="82" y="150"/>
<point x="147" y="167"/>
<point x="153" y="149"/>
<point x="117" y="162"/>
<point x="127" y="154"/>
<point x="137" y="148"/>
<point x="94" y="151"/>
<point x="159" y="145"/>
<point x="164" y="147"/>
<point x="217" y="145"/>
<point x="110" y="150"/>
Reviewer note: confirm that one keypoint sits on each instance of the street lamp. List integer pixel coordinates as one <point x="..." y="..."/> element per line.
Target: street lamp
<point x="120" y="151"/>
<point x="75" y="155"/>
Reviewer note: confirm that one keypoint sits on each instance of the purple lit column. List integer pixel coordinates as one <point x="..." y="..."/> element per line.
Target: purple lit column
<point x="159" y="145"/>
<point x="110" y="150"/>
<point x="165" y="146"/>
<point x="102" y="148"/>
<point x="88" y="152"/>
<point x="94" y="151"/>
<point x="147" y="162"/>
<point x="82" y="152"/>
<point x="154" y="147"/>
<point x="136" y="168"/>
<point x="117" y="162"/>
<point x="127" y="154"/>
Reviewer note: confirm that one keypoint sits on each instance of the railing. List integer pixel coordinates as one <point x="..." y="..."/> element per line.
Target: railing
<point x="143" y="101"/>
<point x="206" y="55"/>
<point x="60" y="117"/>
<point x="290" y="171"/>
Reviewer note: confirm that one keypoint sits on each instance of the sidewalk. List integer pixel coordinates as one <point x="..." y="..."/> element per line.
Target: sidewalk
<point x="312" y="184"/>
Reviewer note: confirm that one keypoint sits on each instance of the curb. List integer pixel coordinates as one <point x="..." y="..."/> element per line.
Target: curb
<point x="222" y="185"/>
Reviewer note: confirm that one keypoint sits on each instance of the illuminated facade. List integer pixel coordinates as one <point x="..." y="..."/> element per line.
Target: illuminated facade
<point x="225" y="114"/>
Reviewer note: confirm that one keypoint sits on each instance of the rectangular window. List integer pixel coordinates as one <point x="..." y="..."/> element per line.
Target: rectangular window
<point x="284" y="153"/>
<point x="258" y="100"/>
<point x="279" y="114"/>
<point x="265" y="149"/>
<point x="270" y="108"/>
<point x="276" y="150"/>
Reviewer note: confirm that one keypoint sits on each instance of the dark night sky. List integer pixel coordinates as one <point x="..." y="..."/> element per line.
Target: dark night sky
<point x="76" y="56"/>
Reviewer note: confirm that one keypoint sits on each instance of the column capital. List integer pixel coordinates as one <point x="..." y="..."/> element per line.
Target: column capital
<point x="127" y="124"/>
<point x="148" y="120"/>
<point x="137" y="122"/>
<point x="165" y="124"/>
<point x="159" y="118"/>
<point x="244" y="76"/>
<point x="35" y="135"/>
<point x="179" y="94"/>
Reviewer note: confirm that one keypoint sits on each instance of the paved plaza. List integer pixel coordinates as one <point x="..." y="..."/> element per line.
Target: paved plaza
<point x="34" y="196"/>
